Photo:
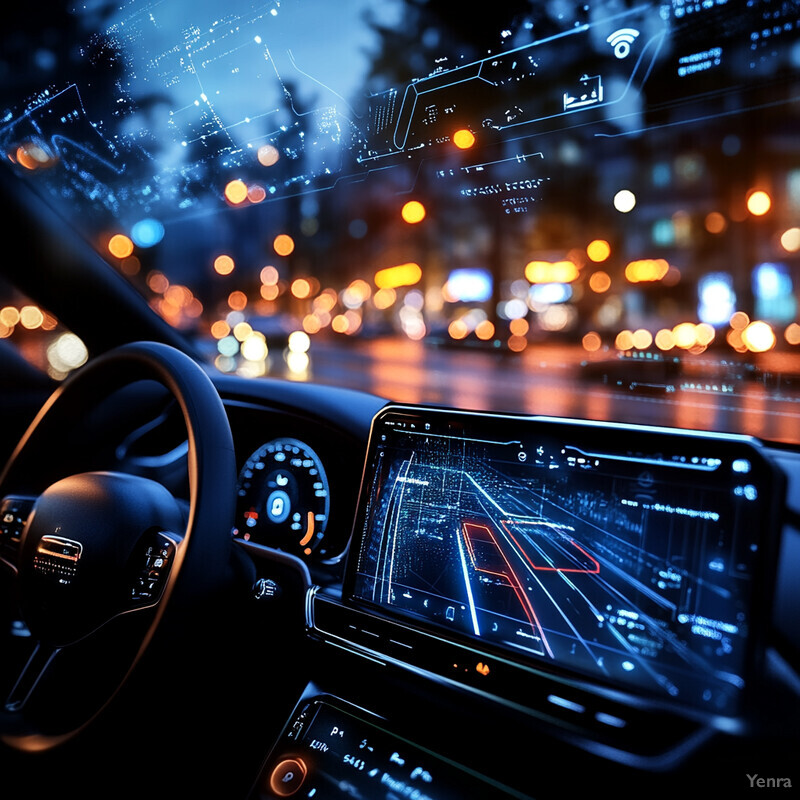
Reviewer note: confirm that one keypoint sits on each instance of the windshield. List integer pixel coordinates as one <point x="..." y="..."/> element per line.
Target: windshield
<point x="584" y="209"/>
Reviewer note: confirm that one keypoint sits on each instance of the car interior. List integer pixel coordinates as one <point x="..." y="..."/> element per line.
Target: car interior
<point x="400" y="400"/>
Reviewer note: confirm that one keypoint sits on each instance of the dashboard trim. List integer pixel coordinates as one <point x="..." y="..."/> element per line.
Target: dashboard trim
<point x="577" y="735"/>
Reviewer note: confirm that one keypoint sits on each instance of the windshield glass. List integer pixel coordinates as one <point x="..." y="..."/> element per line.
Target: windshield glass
<point x="584" y="209"/>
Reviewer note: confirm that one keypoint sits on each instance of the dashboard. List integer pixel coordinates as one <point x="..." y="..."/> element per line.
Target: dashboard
<point x="614" y="593"/>
<point x="424" y="591"/>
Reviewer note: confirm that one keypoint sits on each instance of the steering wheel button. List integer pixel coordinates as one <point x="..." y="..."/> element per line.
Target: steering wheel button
<point x="287" y="777"/>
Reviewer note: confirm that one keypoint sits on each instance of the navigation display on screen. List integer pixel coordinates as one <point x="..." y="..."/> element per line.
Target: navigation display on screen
<point x="631" y="556"/>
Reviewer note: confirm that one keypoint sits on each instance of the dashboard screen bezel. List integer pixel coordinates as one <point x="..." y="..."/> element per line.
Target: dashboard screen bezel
<point x="639" y="438"/>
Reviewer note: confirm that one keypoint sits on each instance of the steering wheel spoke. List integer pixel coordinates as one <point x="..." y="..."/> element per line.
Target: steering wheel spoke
<point x="151" y="564"/>
<point x="35" y="667"/>
<point x="14" y="511"/>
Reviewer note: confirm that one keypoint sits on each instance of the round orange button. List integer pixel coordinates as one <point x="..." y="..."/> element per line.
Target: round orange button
<point x="287" y="777"/>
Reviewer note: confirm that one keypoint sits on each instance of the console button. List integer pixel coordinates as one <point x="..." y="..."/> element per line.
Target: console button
<point x="287" y="776"/>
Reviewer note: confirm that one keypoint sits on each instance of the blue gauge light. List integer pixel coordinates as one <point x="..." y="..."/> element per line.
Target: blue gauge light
<point x="284" y="498"/>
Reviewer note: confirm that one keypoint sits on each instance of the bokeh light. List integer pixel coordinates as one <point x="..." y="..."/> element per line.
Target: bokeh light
<point x="463" y="139"/>
<point x="299" y="342"/>
<point x="591" y="342"/>
<point x="646" y="270"/>
<point x="758" y="203"/>
<point x="254" y="347"/>
<point x="236" y="192"/>
<point x="413" y="212"/>
<point x="66" y="353"/>
<point x="301" y="288"/>
<point x="624" y="340"/>
<point x="715" y="223"/>
<point x="642" y="339"/>
<point x="625" y="201"/>
<point x="664" y="339"/>
<point x="384" y="298"/>
<point x="739" y="320"/>
<point x="599" y="250"/>
<point x="484" y="330"/>
<point x="401" y="275"/>
<point x="256" y="193"/>
<point x="237" y="300"/>
<point x="790" y="240"/>
<point x="551" y="272"/>
<point x="758" y="337"/>
<point x="120" y="246"/>
<point x="269" y="276"/>
<point x="267" y="155"/>
<point x="220" y="329"/>
<point x="147" y="232"/>
<point x="223" y="265"/>
<point x="31" y="317"/>
<point x="600" y="282"/>
<point x="684" y="335"/>
<point x="283" y="244"/>
<point x="9" y="316"/>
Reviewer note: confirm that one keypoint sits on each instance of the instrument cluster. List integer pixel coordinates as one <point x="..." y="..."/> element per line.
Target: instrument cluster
<point x="284" y="498"/>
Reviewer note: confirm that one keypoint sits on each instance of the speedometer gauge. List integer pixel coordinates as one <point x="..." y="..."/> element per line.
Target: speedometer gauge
<point x="283" y="498"/>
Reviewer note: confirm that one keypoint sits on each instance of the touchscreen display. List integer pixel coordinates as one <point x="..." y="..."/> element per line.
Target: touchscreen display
<point x="632" y="556"/>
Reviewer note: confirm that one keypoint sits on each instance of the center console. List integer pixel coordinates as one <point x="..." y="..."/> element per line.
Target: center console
<point x="610" y="583"/>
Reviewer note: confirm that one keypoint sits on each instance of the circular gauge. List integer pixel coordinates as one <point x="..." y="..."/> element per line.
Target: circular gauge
<point x="283" y="498"/>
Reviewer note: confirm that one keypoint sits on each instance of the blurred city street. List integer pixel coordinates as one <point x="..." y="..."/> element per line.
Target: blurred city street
<point x="563" y="380"/>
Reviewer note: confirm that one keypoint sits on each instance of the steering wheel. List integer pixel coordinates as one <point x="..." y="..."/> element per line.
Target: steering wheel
<point x="93" y="560"/>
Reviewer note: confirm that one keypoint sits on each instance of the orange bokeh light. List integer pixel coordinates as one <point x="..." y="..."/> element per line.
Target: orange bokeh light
<point x="600" y="282"/>
<point x="31" y="317"/>
<point x="551" y="272"/>
<point x="792" y="334"/>
<point x="413" y="212"/>
<point x="120" y="246"/>
<point x="269" y="291"/>
<point x="758" y="203"/>
<point x="220" y="329"/>
<point x="223" y="265"/>
<point x="283" y="244"/>
<point x="647" y="270"/>
<point x="624" y="340"/>
<point x="401" y="275"/>
<point x="301" y="288"/>
<point x="237" y="300"/>
<point x="519" y="326"/>
<point x="598" y="250"/>
<point x="457" y="329"/>
<point x="484" y="330"/>
<point x="463" y="139"/>
<point x="715" y="222"/>
<point x="236" y="192"/>
<point x="591" y="342"/>
<point x="157" y="282"/>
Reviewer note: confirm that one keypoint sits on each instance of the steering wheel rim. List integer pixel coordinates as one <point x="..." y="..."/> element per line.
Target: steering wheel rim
<point x="203" y="550"/>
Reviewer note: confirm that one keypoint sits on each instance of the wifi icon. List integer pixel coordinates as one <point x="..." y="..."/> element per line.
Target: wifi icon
<point x="621" y="40"/>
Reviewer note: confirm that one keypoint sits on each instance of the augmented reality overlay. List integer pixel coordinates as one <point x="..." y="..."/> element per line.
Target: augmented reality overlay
<point x="561" y="548"/>
<point x="241" y="86"/>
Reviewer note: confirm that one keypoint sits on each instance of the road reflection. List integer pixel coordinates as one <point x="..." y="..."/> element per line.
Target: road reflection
<point x="704" y="393"/>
